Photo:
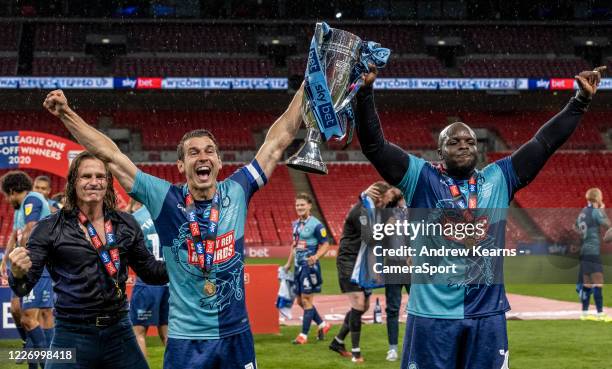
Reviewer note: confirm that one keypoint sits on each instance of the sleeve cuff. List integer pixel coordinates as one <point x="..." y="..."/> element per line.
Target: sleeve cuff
<point x="582" y="101"/>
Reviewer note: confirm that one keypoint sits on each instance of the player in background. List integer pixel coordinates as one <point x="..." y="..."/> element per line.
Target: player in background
<point x="42" y="185"/>
<point x="589" y="222"/>
<point x="350" y="243"/>
<point x="30" y="207"/>
<point x="149" y="303"/>
<point x="201" y="228"/>
<point x="310" y="243"/>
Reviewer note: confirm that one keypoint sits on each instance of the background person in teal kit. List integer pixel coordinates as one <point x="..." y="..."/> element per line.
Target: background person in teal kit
<point x="30" y="207"/>
<point x="208" y="323"/>
<point x="589" y="222"/>
<point x="149" y="303"/>
<point x="309" y="245"/>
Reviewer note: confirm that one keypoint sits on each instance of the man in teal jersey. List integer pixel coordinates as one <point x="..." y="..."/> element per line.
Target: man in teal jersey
<point x="149" y="303"/>
<point x="201" y="229"/>
<point x="588" y="223"/>
<point x="309" y="245"/>
<point x="30" y="207"/>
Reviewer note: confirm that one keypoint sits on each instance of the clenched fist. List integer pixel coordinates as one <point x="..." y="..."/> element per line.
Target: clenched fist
<point x="588" y="81"/>
<point x="20" y="262"/>
<point x="56" y="103"/>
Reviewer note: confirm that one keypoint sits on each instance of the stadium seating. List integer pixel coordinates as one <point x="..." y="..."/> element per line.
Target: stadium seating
<point x="8" y="66"/>
<point x="193" y="67"/>
<point x="40" y="121"/>
<point x="149" y="37"/>
<point x="10" y="36"/>
<point x="339" y="190"/>
<point x="516" y="40"/>
<point x="556" y="196"/>
<point x="54" y="66"/>
<point x="528" y="67"/>
<point x="423" y="67"/>
<point x="162" y="130"/>
<point x="517" y="127"/>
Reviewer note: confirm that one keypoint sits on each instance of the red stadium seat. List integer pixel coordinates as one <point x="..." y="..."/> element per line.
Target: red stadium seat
<point x="526" y="67"/>
<point x="556" y="196"/>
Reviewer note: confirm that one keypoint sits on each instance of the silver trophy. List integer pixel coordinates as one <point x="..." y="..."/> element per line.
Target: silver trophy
<point x="334" y="53"/>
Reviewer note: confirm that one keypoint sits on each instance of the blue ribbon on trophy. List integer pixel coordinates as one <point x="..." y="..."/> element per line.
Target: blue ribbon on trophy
<point x="336" y="61"/>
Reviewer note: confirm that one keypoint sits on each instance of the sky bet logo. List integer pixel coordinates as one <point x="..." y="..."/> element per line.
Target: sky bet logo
<point x="121" y="83"/>
<point x="313" y="63"/>
<point x="539" y="84"/>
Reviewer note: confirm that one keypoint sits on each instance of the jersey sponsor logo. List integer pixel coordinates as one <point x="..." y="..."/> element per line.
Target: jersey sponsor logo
<point x="301" y="245"/>
<point x="28" y="209"/>
<point x="224" y="249"/>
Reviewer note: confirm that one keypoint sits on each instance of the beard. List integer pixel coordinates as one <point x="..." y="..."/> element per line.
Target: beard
<point x="463" y="170"/>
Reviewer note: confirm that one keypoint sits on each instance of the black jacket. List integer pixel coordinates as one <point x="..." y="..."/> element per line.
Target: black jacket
<point x="81" y="284"/>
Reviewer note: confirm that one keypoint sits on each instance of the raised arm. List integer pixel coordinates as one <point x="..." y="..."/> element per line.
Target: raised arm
<point x="93" y="140"/>
<point x="530" y="158"/>
<point x="388" y="159"/>
<point x="280" y="135"/>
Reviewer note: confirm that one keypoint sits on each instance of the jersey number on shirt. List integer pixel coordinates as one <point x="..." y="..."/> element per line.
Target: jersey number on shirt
<point x="582" y="226"/>
<point x="154" y="238"/>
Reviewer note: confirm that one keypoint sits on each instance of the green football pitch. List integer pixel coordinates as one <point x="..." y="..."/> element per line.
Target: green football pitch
<point x="564" y="292"/>
<point x="558" y="344"/>
<point x="561" y="344"/>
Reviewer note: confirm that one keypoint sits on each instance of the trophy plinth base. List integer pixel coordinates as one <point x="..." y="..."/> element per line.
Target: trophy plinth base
<point x="306" y="165"/>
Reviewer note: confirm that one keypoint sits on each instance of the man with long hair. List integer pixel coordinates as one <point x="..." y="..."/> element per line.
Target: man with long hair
<point x="201" y="227"/>
<point x="87" y="247"/>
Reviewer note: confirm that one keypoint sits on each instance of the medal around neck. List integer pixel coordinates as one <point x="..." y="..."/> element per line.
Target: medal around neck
<point x="209" y="288"/>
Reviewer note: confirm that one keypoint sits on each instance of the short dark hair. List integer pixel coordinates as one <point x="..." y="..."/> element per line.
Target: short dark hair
<point x="304" y="196"/>
<point x="17" y="181"/>
<point x="180" y="152"/>
<point x="110" y="201"/>
<point x="43" y="178"/>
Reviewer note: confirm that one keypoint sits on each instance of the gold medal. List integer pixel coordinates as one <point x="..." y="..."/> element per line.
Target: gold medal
<point x="469" y="242"/>
<point x="119" y="293"/>
<point x="209" y="288"/>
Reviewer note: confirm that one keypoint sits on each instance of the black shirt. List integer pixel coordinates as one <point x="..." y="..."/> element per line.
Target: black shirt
<point x="81" y="284"/>
<point x="350" y="242"/>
